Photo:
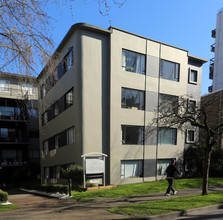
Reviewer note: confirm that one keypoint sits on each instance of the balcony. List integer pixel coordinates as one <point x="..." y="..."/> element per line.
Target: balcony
<point x="213" y="47"/>
<point x="210" y="88"/>
<point x="14" y="93"/>
<point x="213" y="33"/>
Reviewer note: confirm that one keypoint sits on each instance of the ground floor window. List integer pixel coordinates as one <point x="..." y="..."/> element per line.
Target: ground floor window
<point x="131" y="169"/>
<point x="162" y="164"/>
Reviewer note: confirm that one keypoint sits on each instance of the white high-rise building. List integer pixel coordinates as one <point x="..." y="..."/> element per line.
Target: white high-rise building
<point x="216" y="65"/>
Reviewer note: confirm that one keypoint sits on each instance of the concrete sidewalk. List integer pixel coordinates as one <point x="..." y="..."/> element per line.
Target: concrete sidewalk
<point x="39" y="207"/>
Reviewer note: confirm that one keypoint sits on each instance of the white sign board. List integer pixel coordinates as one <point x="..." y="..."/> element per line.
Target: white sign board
<point x="95" y="165"/>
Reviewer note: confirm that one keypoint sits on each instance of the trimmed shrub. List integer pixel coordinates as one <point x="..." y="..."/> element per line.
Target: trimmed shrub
<point x="3" y="196"/>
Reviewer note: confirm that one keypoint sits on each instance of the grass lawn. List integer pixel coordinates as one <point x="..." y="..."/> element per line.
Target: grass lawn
<point x="169" y="205"/>
<point x="142" y="188"/>
<point x="5" y="208"/>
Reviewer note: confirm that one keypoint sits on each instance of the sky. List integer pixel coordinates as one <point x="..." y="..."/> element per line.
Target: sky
<point x="185" y="24"/>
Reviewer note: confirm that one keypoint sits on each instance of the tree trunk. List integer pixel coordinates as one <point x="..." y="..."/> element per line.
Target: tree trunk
<point x="206" y="171"/>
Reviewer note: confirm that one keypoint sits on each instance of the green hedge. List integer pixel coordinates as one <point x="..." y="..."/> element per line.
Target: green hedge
<point x="3" y="196"/>
<point x="47" y="188"/>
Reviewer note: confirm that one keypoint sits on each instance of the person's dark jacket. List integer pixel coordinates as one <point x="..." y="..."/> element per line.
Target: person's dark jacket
<point x="171" y="169"/>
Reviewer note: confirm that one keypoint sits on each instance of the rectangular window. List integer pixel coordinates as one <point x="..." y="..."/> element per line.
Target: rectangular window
<point x="56" y="109"/>
<point x="193" y="76"/>
<point x="167" y="136"/>
<point x="170" y="70"/>
<point x="132" y="135"/>
<point x="191" y="106"/>
<point x="45" y="146"/>
<point x="190" y="137"/>
<point x="162" y="165"/>
<point x="131" y="169"/>
<point x="168" y="103"/>
<point x="133" y="99"/>
<point x="69" y="98"/>
<point x="133" y="62"/>
<point x="70" y="135"/>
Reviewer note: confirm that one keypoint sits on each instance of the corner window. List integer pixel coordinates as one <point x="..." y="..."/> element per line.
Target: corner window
<point x="193" y="74"/>
<point x="170" y="70"/>
<point x="133" y="62"/>
<point x="190" y="136"/>
<point x="132" y="135"/>
<point x="68" y="60"/>
<point x="167" y="136"/>
<point x="191" y="106"/>
<point x="69" y="98"/>
<point x="70" y="135"/>
<point x="162" y="165"/>
<point x="133" y="99"/>
<point x="131" y="169"/>
<point x="168" y="103"/>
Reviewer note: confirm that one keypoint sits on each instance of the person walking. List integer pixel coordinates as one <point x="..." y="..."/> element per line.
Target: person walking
<point x="171" y="169"/>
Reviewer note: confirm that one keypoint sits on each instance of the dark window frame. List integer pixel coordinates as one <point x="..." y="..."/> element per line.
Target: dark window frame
<point x="176" y="76"/>
<point x="125" y="136"/>
<point x="126" y="68"/>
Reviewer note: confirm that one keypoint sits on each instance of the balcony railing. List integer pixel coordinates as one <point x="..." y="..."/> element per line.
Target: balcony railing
<point x="15" y="93"/>
<point x="213" y="33"/>
<point x="211" y="73"/>
<point x="210" y="88"/>
<point x="14" y="140"/>
<point x="213" y="48"/>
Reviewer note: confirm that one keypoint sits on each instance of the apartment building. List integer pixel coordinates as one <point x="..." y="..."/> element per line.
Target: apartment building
<point x="19" y="134"/>
<point x="101" y="97"/>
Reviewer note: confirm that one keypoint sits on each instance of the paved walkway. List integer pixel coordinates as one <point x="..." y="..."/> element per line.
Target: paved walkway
<point x="39" y="207"/>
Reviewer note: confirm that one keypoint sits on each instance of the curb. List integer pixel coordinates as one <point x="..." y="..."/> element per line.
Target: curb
<point x="52" y="195"/>
<point x="182" y="213"/>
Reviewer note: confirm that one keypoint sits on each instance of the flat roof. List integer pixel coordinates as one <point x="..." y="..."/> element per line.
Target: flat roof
<point x="108" y="31"/>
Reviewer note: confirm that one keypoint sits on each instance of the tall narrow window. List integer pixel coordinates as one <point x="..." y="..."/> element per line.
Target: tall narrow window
<point x="193" y="76"/>
<point x="46" y="172"/>
<point x="170" y="70"/>
<point x="133" y="99"/>
<point x="132" y="135"/>
<point x="70" y="135"/>
<point x="191" y="106"/>
<point x="56" y="141"/>
<point x="69" y="98"/>
<point x="190" y="136"/>
<point x="45" y="146"/>
<point x="28" y="88"/>
<point x="167" y="136"/>
<point x="133" y="62"/>
<point x="44" y="118"/>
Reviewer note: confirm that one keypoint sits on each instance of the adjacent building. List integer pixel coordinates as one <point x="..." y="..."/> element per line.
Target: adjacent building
<point x="19" y="134"/>
<point x="101" y="96"/>
<point x="216" y="64"/>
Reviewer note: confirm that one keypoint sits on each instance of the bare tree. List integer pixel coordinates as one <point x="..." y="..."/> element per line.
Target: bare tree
<point x="25" y="27"/>
<point x="182" y="114"/>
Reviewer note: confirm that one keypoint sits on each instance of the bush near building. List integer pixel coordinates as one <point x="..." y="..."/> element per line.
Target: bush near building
<point x="3" y="196"/>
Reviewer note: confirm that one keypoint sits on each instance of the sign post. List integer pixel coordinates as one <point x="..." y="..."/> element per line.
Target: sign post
<point x="94" y="165"/>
